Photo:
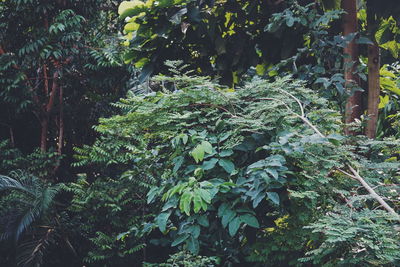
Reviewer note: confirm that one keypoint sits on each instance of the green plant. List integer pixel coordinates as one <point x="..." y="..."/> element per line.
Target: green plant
<point x="102" y="211"/>
<point x="239" y="174"/>
<point x="186" y="259"/>
<point x="27" y="216"/>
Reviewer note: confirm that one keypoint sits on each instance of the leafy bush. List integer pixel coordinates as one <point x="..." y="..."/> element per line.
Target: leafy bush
<point x="185" y="259"/>
<point x="239" y="174"/>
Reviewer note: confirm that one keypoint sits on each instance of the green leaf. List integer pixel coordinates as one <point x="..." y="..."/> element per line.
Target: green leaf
<point x="186" y="200"/>
<point x="383" y="101"/>
<point x="178" y="163"/>
<point x="185" y="138"/>
<point x="228" y="165"/>
<point x="250" y="220"/>
<point x="290" y="21"/>
<point x="274" y="197"/>
<point x="193" y="245"/>
<point x="161" y="221"/>
<point x="151" y="194"/>
<point x="227" y="217"/>
<point x="205" y="195"/>
<point x="203" y="221"/>
<point x="222" y="209"/>
<point x="335" y="138"/>
<point x="234" y="226"/>
<point x="130" y="8"/>
<point x="209" y="164"/>
<point x="196" y="201"/>
<point x="194" y="230"/>
<point x="273" y="172"/>
<point x="364" y="40"/>
<point x="207" y="147"/>
<point x="226" y="153"/>
<point x="179" y="239"/>
<point x="198" y="153"/>
<point x="130" y="27"/>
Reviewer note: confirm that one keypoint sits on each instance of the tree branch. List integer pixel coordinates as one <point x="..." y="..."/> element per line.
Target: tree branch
<point x="355" y="175"/>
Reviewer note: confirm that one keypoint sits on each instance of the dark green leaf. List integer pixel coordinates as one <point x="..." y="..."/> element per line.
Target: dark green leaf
<point x="161" y="220"/>
<point x="250" y="220"/>
<point x="228" y="165"/>
<point x="203" y="221"/>
<point x="209" y="164"/>
<point x="193" y="245"/>
<point x="274" y="197"/>
<point x="226" y="153"/>
<point x="180" y="239"/>
<point x="234" y="226"/>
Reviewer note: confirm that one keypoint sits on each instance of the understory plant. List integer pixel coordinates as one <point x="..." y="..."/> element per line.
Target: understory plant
<point x="258" y="175"/>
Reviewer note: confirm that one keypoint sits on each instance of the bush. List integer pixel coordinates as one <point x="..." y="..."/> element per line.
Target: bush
<point x="247" y="175"/>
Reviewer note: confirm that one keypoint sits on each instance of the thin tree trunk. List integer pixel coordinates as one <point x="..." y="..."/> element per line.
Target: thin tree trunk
<point x="373" y="89"/>
<point x="12" y="139"/>
<point x="47" y="109"/>
<point x="61" y="123"/>
<point x="373" y="73"/>
<point x="43" y="134"/>
<point x="354" y="102"/>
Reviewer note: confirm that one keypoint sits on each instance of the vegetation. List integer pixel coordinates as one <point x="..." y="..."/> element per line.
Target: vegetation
<point x="199" y="133"/>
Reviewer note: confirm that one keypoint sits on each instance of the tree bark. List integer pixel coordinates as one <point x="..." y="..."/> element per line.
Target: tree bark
<point x="373" y="73"/>
<point x="373" y="89"/>
<point x="61" y="122"/>
<point x="43" y="134"/>
<point x="354" y="102"/>
<point x="47" y="110"/>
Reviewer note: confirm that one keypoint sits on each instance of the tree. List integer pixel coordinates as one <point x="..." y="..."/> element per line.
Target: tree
<point x="377" y="13"/>
<point x="354" y="107"/>
<point x="216" y="38"/>
<point x="55" y="68"/>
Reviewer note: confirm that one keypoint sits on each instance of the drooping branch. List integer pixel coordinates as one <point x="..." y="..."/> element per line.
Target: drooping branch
<point x="355" y="174"/>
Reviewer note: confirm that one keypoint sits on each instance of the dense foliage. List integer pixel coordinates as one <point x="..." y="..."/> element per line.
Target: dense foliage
<point x="233" y="179"/>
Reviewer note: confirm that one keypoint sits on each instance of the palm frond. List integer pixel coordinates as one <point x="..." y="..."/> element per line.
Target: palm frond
<point x="31" y="253"/>
<point x="20" y="181"/>
<point x="34" y="198"/>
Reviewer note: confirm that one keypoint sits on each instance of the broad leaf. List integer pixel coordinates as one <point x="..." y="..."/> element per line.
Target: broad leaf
<point x="234" y="226"/>
<point x="161" y="220"/>
<point x="179" y="240"/>
<point x="228" y="165"/>
<point x="198" y="153"/>
<point x="209" y="164"/>
<point x="274" y="197"/>
<point x="250" y="220"/>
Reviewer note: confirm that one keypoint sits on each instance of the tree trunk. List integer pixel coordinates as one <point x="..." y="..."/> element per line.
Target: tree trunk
<point x="43" y="134"/>
<point x="373" y="89"/>
<point x="61" y="122"/>
<point x="373" y="72"/>
<point x="12" y="139"/>
<point x="354" y="102"/>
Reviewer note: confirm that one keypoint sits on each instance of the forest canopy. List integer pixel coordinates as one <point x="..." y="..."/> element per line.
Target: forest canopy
<point x="199" y="133"/>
